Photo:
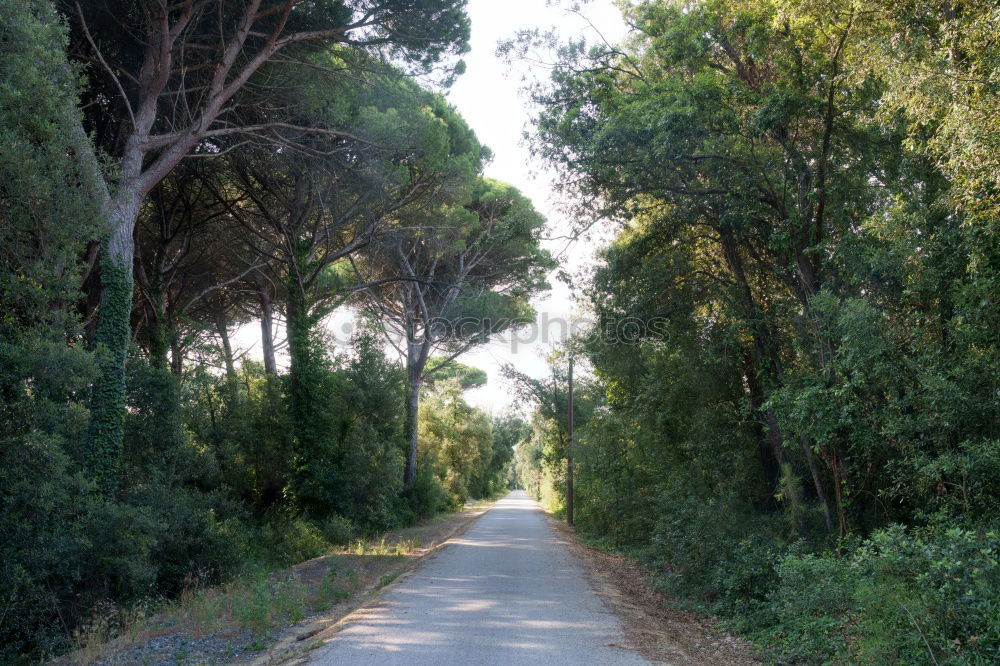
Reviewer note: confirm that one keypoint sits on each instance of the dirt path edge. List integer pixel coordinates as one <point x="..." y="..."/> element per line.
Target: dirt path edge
<point x="660" y="633"/>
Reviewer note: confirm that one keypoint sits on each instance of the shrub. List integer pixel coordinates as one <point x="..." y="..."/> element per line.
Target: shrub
<point x="119" y="564"/>
<point x="426" y="496"/>
<point x="704" y="541"/>
<point x="929" y="596"/>
<point x="192" y="544"/>
<point x="287" y="539"/>
<point x="338" y="530"/>
<point x="745" y="579"/>
<point x="42" y="544"/>
<point x="810" y="606"/>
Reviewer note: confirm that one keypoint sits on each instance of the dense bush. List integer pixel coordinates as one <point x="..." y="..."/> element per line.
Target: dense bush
<point x="928" y="596"/>
<point x="809" y="608"/>
<point x="354" y="467"/>
<point x="46" y="550"/>
<point x="210" y="488"/>
<point x="45" y="547"/>
<point x="426" y="496"/>
<point x="902" y="596"/>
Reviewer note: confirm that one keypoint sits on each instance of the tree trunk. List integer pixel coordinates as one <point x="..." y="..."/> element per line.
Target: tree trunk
<point x="768" y="436"/>
<point x="767" y="358"/>
<point x="176" y="354"/>
<point x="160" y="339"/>
<point x="267" y="330"/>
<point x="114" y="332"/>
<point x="818" y="483"/>
<point x="227" y="347"/>
<point x="826" y="349"/>
<point x="306" y="378"/>
<point x="297" y="328"/>
<point x="764" y="361"/>
<point x="417" y="353"/>
<point x="412" y="414"/>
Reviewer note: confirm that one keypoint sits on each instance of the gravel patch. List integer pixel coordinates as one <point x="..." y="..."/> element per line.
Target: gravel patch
<point x="185" y="649"/>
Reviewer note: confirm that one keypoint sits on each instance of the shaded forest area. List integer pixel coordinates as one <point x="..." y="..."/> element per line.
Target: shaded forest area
<point x="808" y="193"/>
<point x="173" y="173"/>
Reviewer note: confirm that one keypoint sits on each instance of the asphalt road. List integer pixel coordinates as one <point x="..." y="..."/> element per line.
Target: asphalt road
<point x="505" y="592"/>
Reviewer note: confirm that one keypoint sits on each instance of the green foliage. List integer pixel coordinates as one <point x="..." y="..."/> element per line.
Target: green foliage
<point x="426" y="496"/>
<point x="456" y="442"/>
<point x="801" y="433"/>
<point x="467" y="377"/>
<point x="42" y="379"/>
<point x="961" y="484"/>
<point x="288" y="539"/>
<point x="929" y="595"/>
<point x="916" y="597"/>
<point x="264" y="604"/>
<point x="811" y="601"/>
<point x="472" y="259"/>
<point x="338" y="530"/>
<point x="46" y="220"/>
<point x="807" y="204"/>
<point x="247" y="425"/>
<point x="508" y="432"/>
<point x="352" y="463"/>
<point x="44" y="548"/>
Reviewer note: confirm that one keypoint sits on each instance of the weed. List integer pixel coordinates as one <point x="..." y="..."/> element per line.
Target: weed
<point x="264" y="603"/>
<point x="181" y="654"/>
<point x="331" y="591"/>
<point x="387" y="578"/>
<point x="259" y="645"/>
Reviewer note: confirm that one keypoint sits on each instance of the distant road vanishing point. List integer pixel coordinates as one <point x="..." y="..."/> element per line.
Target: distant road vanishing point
<point x="505" y="592"/>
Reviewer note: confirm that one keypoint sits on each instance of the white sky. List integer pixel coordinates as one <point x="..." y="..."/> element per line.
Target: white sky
<point x="490" y="97"/>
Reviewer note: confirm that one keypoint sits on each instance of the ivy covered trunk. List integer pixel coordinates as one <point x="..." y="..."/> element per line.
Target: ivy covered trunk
<point x="298" y="332"/>
<point x="114" y="332"/>
<point x="306" y="374"/>
<point x="160" y="338"/>
<point x="312" y="405"/>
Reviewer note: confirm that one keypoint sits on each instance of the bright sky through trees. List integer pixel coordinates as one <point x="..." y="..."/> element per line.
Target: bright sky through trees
<point x="489" y="97"/>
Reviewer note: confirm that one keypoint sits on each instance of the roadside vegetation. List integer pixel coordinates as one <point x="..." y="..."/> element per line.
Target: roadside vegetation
<point x="277" y="611"/>
<point x="807" y="443"/>
<point x="171" y="174"/>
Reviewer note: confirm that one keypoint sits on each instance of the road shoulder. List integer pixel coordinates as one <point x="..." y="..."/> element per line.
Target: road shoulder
<point x="294" y="645"/>
<point x="654" y="629"/>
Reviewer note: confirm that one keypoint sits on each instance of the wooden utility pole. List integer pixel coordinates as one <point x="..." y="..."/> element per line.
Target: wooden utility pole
<point x="569" y="450"/>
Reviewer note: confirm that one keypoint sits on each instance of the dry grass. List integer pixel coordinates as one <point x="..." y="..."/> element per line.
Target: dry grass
<point x="270" y="605"/>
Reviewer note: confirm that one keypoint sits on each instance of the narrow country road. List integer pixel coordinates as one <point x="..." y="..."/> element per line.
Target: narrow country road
<point x="505" y="592"/>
